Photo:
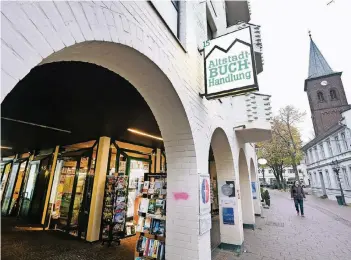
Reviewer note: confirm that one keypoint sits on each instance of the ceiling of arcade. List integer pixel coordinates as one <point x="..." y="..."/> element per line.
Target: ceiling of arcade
<point x="83" y="101"/>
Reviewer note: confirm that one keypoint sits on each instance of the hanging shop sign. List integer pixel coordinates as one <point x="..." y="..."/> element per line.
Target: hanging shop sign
<point x="254" y="191"/>
<point x="230" y="65"/>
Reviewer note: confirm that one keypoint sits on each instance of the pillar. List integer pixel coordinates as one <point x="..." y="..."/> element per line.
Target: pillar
<point x="94" y="223"/>
<point x="257" y="201"/>
<point x="52" y="172"/>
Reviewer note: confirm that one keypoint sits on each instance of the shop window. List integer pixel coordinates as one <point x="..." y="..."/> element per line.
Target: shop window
<point x="333" y="95"/>
<point x="328" y="178"/>
<point x="320" y="96"/>
<point x="169" y="13"/>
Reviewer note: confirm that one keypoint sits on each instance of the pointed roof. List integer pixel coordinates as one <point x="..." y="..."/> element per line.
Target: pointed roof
<point x="318" y="66"/>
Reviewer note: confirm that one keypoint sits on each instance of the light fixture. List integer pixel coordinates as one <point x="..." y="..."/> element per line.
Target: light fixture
<point x="6" y="147"/>
<point x="144" y="134"/>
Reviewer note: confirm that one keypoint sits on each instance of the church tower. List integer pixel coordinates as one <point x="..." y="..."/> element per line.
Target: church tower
<point x="325" y="92"/>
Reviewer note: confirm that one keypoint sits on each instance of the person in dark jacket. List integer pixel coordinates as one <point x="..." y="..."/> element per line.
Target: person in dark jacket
<point x="297" y="194"/>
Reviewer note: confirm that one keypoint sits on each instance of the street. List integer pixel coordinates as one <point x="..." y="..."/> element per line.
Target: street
<point x="323" y="234"/>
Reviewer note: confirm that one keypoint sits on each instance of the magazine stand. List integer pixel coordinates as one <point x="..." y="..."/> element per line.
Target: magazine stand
<point x="114" y="209"/>
<point x="151" y="228"/>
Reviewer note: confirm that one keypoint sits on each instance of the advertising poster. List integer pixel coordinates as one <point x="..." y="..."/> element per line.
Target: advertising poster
<point x="227" y="193"/>
<point x="254" y="192"/>
<point x="205" y="224"/>
<point x="205" y="202"/>
<point x="228" y="216"/>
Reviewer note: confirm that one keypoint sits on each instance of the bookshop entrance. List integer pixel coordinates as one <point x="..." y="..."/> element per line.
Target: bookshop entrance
<point x="72" y="190"/>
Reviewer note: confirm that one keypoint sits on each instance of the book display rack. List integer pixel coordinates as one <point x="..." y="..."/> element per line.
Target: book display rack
<point x="151" y="227"/>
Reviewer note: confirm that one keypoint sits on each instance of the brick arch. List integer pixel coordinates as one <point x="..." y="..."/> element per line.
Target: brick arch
<point x="39" y="33"/>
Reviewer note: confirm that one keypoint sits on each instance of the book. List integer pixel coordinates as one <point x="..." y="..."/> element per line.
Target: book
<point x="141" y="223"/>
<point x="143" y="243"/>
<point x="158" y="227"/>
<point x="144" y="205"/>
<point x="151" y="247"/>
<point x="140" y="244"/>
<point x="158" y="187"/>
<point x="146" y="186"/>
<point x="161" y="251"/>
<point x="151" y="188"/>
<point x="146" y="250"/>
<point x="155" y="249"/>
<point x="159" y="207"/>
<point x="147" y="225"/>
<point x="151" y="208"/>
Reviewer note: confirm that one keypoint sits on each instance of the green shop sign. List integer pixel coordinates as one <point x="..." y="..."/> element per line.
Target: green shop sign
<point x="230" y="65"/>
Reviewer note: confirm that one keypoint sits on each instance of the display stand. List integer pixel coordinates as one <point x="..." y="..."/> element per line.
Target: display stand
<point x="114" y="209"/>
<point x="151" y="228"/>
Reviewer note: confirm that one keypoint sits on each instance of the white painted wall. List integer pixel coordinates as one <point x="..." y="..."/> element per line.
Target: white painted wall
<point x="129" y="38"/>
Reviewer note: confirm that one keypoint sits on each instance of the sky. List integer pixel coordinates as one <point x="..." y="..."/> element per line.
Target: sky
<point x="284" y="31"/>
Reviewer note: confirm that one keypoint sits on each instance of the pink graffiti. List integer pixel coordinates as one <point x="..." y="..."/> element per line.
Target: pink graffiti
<point x="180" y="195"/>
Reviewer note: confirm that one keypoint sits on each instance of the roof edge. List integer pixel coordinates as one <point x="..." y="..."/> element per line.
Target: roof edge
<point x="318" y="138"/>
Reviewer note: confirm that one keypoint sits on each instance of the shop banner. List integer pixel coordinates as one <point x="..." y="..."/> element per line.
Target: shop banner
<point x="254" y="192"/>
<point x="228" y="216"/>
<point x="227" y="193"/>
<point x="230" y="65"/>
<point x="204" y="193"/>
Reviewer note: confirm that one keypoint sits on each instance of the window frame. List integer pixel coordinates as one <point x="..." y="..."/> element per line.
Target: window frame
<point x="330" y="148"/>
<point x="335" y="92"/>
<point x="315" y="148"/>
<point x="328" y="177"/>
<point x="337" y="142"/>
<point x="320" y="97"/>
<point x="343" y="139"/>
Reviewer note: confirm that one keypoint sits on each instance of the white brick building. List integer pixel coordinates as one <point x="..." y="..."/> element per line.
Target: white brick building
<point x="155" y="47"/>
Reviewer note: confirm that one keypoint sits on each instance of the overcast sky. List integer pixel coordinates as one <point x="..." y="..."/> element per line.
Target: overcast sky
<point x="286" y="44"/>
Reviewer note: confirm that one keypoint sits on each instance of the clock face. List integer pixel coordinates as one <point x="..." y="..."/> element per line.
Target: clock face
<point x="324" y="83"/>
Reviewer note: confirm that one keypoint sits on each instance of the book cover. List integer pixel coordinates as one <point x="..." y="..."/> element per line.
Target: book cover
<point x="146" y="250"/>
<point x="143" y="245"/>
<point x="147" y="225"/>
<point x="151" y="188"/>
<point x="159" y="206"/>
<point x="156" y="246"/>
<point x="152" y="204"/>
<point x="161" y="229"/>
<point x="151" y="247"/>
<point x="144" y="205"/>
<point x="141" y="223"/>
<point x="146" y="186"/>
<point x="158" y="187"/>
<point x="140" y="244"/>
<point x="155" y="226"/>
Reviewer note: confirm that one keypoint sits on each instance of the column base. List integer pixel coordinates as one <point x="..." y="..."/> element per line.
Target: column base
<point x="230" y="247"/>
<point x="249" y="226"/>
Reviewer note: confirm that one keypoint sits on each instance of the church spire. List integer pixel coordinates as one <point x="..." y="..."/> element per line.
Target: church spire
<point x="318" y="66"/>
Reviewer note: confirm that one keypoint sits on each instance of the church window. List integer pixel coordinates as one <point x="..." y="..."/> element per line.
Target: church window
<point x="333" y="95"/>
<point x="320" y="97"/>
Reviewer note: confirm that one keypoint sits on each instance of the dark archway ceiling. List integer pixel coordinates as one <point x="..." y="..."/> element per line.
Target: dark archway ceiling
<point x="86" y="99"/>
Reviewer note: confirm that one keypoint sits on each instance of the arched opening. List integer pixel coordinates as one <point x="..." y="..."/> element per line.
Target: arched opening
<point x="255" y="187"/>
<point x="226" y="216"/>
<point x="320" y="96"/>
<point x="333" y="94"/>
<point x="246" y="192"/>
<point x="96" y="91"/>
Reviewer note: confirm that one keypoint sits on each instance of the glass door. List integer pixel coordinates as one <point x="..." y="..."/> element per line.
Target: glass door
<point x="38" y="192"/>
<point x="16" y="197"/>
<point x="28" y="190"/>
<point x="64" y="192"/>
<point x="4" y="178"/>
<point x="78" y="196"/>
<point x="9" y="188"/>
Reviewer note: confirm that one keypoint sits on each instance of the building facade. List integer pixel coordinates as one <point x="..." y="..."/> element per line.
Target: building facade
<point x="288" y="174"/>
<point x="157" y="47"/>
<point x="328" y="104"/>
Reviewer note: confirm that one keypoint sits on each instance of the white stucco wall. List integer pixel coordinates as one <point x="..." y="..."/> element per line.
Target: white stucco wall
<point x="123" y="36"/>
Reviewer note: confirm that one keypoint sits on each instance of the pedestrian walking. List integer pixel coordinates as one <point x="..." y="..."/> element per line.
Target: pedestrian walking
<point x="297" y="194"/>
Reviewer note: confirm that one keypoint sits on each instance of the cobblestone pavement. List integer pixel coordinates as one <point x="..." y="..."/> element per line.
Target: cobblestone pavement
<point x="55" y="245"/>
<point x="325" y="232"/>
